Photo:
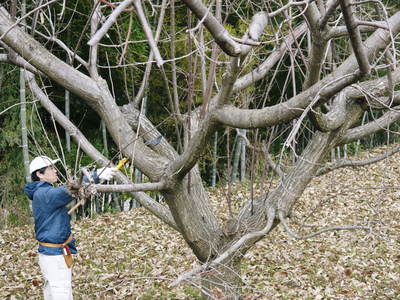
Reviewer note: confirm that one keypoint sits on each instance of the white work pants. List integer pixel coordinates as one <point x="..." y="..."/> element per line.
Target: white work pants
<point x="57" y="276"/>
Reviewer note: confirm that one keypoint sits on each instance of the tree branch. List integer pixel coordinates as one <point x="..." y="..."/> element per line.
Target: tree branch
<point x="274" y="166"/>
<point x="145" y="81"/>
<point x="349" y="163"/>
<point x="182" y="165"/>
<point x="355" y="37"/>
<point x="372" y="89"/>
<point x="219" y="33"/>
<point x="109" y="22"/>
<point x="340" y="31"/>
<point x="134" y="187"/>
<point x="147" y="131"/>
<point x="307" y="236"/>
<point x="312" y="15"/>
<point x="283" y="112"/>
<point x="329" y="11"/>
<point x="94" y="24"/>
<point x="148" y="32"/>
<point x="379" y="124"/>
<point x="18" y="61"/>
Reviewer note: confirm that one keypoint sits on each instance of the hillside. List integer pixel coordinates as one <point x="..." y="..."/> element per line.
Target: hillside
<point x="131" y="254"/>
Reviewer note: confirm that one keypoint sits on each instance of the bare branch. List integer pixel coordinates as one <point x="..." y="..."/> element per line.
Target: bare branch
<point x="185" y="162"/>
<point x="342" y="30"/>
<point x="148" y="32"/>
<point x="312" y="15"/>
<point x="220" y="34"/>
<point x="94" y="23"/>
<point x="372" y="89"/>
<point x="379" y="124"/>
<point x="136" y="187"/>
<point x="307" y="236"/>
<point x="256" y="28"/>
<point x="147" y="71"/>
<point x="371" y="24"/>
<point x="288" y="5"/>
<point x="110" y="21"/>
<point x="147" y="130"/>
<point x="355" y="37"/>
<point x="115" y="6"/>
<point x="330" y="10"/>
<point x="350" y="163"/>
<point x="18" y="61"/>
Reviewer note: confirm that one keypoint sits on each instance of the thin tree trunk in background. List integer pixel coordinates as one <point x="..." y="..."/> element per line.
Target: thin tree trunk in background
<point x="214" y="162"/>
<point x="235" y="158"/>
<point x="243" y="157"/>
<point x="228" y="170"/>
<point x="24" y="132"/>
<point x="1" y="75"/>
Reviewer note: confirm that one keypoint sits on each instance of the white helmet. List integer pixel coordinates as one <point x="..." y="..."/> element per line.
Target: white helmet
<point x="41" y="162"/>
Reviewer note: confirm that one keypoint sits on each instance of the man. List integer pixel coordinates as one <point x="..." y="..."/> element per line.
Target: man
<point x="53" y="227"/>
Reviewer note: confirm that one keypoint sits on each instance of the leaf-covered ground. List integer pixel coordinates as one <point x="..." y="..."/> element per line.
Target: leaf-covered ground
<point x="132" y="255"/>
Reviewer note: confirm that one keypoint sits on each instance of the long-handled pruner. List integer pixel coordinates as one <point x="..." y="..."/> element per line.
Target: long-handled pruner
<point x="85" y="173"/>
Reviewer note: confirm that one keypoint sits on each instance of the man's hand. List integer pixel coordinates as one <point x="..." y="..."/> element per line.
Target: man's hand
<point x="106" y="174"/>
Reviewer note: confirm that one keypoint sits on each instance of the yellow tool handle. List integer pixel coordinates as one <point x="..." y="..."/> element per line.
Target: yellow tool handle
<point x="121" y="163"/>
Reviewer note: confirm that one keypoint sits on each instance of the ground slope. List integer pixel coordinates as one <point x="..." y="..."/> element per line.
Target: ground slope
<point x="132" y="255"/>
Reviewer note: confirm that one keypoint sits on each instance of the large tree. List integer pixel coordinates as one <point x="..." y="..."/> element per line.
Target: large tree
<point x="342" y="60"/>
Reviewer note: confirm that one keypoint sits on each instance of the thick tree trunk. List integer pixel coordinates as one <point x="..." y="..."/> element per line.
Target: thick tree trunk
<point x="194" y="217"/>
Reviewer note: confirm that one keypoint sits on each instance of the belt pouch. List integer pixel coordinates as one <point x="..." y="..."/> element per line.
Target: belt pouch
<point x="68" y="256"/>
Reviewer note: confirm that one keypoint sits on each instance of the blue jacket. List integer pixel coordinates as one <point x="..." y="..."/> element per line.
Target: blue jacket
<point x="52" y="222"/>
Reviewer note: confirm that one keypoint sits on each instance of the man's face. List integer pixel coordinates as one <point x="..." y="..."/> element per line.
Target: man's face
<point x="49" y="175"/>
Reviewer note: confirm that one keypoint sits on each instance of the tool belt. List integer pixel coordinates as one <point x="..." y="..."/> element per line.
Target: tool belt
<point x="65" y="248"/>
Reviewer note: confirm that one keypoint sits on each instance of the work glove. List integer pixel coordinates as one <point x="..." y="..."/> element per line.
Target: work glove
<point x="106" y="174"/>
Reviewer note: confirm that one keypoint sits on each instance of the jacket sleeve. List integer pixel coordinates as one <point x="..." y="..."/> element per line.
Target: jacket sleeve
<point x="59" y="196"/>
